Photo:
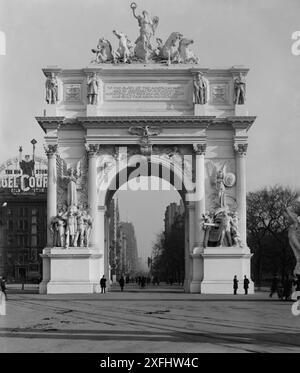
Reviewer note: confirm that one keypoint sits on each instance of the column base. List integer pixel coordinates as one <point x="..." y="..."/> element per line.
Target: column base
<point x="195" y="287"/>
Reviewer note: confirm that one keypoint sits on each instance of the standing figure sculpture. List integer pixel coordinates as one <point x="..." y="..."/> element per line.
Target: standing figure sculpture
<point x="240" y="89"/>
<point x="72" y="186"/>
<point x="92" y="89"/>
<point x="51" y="89"/>
<point x="200" y="89"/>
<point x="88" y="227"/>
<point x="80" y="228"/>
<point x="148" y="25"/>
<point x="71" y="226"/>
<point x="220" y="186"/>
<point x="294" y="240"/>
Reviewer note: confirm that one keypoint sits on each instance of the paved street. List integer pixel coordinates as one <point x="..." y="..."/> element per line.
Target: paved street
<point x="148" y="321"/>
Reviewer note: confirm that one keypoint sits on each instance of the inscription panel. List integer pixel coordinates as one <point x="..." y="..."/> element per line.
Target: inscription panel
<point x="219" y="94"/>
<point x="72" y="92"/>
<point x="145" y="92"/>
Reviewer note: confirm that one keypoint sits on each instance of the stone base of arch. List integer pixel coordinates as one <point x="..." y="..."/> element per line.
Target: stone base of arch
<point x="220" y="265"/>
<point x="73" y="270"/>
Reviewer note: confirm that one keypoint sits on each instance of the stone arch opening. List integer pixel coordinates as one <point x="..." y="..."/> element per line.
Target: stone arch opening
<point x="144" y="168"/>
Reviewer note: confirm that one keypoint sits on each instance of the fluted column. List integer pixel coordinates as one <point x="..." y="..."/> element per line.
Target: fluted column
<point x="240" y="151"/>
<point x="200" y="192"/>
<point x="199" y="210"/>
<point x="92" y="151"/>
<point x="51" y="188"/>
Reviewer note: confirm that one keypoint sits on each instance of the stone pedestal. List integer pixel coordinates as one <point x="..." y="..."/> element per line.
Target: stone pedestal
<point x="91" y="110"/>
<point x="221" y="264"/>
<point x="241" y="110"/>
<point x="52" y="110"/>
<point x="73" y="270"/>
<point x="200" y="110"/>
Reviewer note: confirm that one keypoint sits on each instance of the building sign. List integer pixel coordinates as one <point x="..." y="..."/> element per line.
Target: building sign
<point x="26" y="175"/>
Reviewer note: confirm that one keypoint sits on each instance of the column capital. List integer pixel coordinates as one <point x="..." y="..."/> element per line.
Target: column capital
<point x="50" y="149"/>
<point x="200" y="148"/>
<point x="241" y="149"/>
<point x="92" y="149"/>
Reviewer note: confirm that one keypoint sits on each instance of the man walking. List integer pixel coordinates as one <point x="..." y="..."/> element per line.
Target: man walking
<point x="235" y="285"/>
<point x="103" y="284"/>
<point x="246" y="285"/>
<point x="122" y="282"/>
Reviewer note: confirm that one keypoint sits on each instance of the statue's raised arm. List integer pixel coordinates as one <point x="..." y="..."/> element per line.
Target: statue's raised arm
<point x="133" y="6"/>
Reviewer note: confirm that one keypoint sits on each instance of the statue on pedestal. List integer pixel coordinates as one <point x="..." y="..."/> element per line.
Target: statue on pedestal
<point x="294" y="237"/>
<point x="51" y="89"/>
<point x="92" y="89"/>
<point x="148" y="25"/>
<point x="200" y="89"/>
<point x="240" y="89"/>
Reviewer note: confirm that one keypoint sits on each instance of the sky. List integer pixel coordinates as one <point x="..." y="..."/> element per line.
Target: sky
<point x="253" y="33"/>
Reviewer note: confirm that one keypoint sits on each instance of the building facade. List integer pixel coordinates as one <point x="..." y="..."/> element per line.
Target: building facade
<point x="23" y="217"/>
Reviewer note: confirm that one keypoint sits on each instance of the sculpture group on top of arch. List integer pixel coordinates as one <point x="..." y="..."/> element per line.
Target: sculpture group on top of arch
<point x="176" y="49"/>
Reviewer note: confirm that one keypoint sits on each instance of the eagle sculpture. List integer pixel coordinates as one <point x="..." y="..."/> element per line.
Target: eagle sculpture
<point x="144" y="132"/>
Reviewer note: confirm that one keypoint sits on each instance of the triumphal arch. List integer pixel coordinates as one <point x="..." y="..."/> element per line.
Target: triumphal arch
<point x="145" y="109"/>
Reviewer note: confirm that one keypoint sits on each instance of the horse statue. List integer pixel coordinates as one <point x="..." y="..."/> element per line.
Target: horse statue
<point x="186" y="55"/>
<point x="103" y="51"/>
<point x="123" y="51"/>
<point x="169" y="51"/>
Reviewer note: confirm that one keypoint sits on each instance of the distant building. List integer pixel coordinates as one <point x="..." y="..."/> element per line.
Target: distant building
<point x="172" y="211"/>
<point x="23" y="223"/>
<point x="123" y="253"/>
<point x="129" y="252"/>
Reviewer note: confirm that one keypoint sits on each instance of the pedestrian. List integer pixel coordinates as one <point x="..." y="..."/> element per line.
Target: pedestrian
<point x="103" y="284"/>
<point x="287" y="288"/>
<point x="122" y="282"/>
<point x="246" y="285"/>
<point x="143" y="282"/>
<point x="275" y="287"/>
<point x="235" y="285"/>
<point x="3" y="286"/>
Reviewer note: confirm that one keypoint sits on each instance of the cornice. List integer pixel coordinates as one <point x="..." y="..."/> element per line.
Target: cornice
<point x="125" y="121"/>
<point x="241" y="123"/>
<point x="49" y="122"/>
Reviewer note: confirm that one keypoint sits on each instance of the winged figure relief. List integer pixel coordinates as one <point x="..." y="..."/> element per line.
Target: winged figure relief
<point x="144" y="132"/>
